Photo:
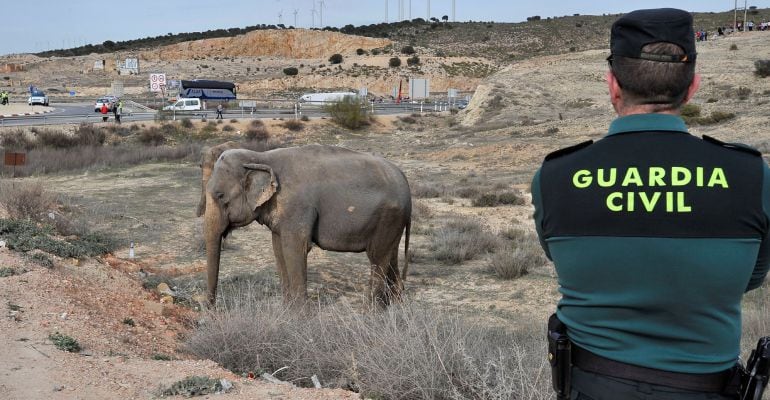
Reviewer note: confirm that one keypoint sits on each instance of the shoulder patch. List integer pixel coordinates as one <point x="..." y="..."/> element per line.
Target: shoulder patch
<point x="568" y="150"/>
<point x="734" y="146"/>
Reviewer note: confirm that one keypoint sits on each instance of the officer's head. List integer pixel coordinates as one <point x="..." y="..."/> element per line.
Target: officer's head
<point x="652" y="61"/>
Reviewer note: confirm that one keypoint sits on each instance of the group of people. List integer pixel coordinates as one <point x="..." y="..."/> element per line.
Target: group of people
<point x="4" y="97"/>
<point x="655" y="234"/>
<point x="116" y="108"/>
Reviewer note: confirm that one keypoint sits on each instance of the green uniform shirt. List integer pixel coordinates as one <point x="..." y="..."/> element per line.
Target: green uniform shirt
<point x="655" y="234"/>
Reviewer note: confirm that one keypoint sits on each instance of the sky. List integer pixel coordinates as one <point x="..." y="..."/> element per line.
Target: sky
<point x="33" y="26"/>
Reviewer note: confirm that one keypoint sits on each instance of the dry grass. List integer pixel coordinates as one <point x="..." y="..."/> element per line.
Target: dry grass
<point x="518" y="257"/>
<point x="409" y="351"/>
<point x="26" y="200"/>
<point x="459" y="240"/>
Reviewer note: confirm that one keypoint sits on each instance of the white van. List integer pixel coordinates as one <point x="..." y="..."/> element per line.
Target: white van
<point x="191" y="104"/>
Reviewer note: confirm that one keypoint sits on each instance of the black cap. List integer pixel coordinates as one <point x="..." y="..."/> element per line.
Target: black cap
<point x="638" y="28"/>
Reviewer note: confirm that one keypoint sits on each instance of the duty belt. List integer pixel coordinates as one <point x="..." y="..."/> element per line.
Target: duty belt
<point x="713" y="383"/>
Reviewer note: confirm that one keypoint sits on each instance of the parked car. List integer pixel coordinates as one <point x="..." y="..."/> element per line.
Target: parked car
<point x="38" y="98"/>
<point x="462" y="104"/>
<point x="110" y="101"/>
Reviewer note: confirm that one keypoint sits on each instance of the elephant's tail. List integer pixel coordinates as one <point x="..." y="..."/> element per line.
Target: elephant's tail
<point x="406" y="249"/>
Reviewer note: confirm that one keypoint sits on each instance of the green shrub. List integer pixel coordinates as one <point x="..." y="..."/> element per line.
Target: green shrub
<point x="7" y="271"/>
<point x="762" y="68"/>
<point x="42" y="260"/>
<point x="690" y="110"/>
<point x="360" y="52"/>
<point x="290" y="71"/>
<point x="408" y="50"/>
<point x="64" y="342"/>
<point x="412" y="61"/>
<point x="394" y="62"/>
<point x="733" y="46"/>
<point x="335" y="58"/>
<point x="304" y="118"/>
<point x="227" y="128"/>
<point x="427" y="191"/>
<point x="375" y="52"/>
<point x="89" y="135"/>
<point x="348" y="113"/>
<point x="194" y="386"/>
<point x="496" y="199"/>
<point x="26" y="236"/>
<point x="161" y="357"/>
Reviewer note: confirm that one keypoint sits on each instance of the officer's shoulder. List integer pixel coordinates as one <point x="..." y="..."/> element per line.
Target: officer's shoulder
<point x="732" y="146"/>
<point x="568" y="150"/>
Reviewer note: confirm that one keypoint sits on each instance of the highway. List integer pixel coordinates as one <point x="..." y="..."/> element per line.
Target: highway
<point x="77" y="113"/>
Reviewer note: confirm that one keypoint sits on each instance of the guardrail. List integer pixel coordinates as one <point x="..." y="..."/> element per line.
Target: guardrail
<point x="149" y="114"/>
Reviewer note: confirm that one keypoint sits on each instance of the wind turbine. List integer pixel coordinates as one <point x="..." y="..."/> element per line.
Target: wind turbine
<point x="313" y="13"/>
<point x="295" y="17"/>
<point x="321" y="8"/>
<point x="280" y="17"/>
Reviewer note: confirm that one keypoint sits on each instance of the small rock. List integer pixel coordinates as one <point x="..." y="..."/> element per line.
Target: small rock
<point x="2" y="243"/>
<point x="164" y="289"/>
<point x="63" y="316"/>
<point x="226" y="385"/>
<point x="167" y="299"/>
<point x="58" y="388"/>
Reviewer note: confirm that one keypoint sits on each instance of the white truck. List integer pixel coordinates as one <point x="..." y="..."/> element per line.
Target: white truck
<point x="185" y="104"/>
<point x="325" y="98"/>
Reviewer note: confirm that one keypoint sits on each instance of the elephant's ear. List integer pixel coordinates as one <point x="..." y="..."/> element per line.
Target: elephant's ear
<point x="259" y="185"/>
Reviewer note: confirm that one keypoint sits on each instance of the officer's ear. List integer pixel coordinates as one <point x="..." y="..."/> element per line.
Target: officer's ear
<point x="692" y="89"/>
<point x="616" y="93"/>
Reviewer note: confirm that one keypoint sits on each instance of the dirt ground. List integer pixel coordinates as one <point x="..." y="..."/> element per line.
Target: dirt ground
<point x="486" y="146"/>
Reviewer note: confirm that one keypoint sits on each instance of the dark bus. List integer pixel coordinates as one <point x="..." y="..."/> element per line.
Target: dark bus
<point x="207" y="90"/>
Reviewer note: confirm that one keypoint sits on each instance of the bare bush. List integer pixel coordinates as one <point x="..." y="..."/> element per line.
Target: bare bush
<point x="186" y="123"/>
<point x="26" y="200"/>
<point x="293" y="125"/>
<point x="153" y="136"/>
<point x="496" y="199"/>
<point x="348" y="113"/>
<point x="409" y="351"/>
<point x="460" y="240"/>
<point x="519" y="257"/>
<point x="257" y="132"/>
<point x="424" y="191"/>
<point x="17" y="139"/>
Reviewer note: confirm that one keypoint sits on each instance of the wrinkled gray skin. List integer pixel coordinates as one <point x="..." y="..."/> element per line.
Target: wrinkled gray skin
<point x="335" y="198"/>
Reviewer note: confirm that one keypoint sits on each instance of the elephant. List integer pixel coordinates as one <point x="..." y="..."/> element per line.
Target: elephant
<point x="334" y="198"/>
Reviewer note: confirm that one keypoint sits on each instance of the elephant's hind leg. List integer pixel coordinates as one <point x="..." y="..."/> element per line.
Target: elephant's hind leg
<point x="384" y="281"/>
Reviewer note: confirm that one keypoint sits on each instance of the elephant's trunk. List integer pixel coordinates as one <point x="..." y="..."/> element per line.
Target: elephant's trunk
<point x="212" y="231"/>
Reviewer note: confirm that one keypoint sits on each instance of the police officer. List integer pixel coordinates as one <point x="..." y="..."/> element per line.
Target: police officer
<point x="655" y="233"/>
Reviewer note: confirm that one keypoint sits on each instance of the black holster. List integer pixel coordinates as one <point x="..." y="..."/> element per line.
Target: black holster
<point x="559" y="356"/>
<point x="754" y="376"/>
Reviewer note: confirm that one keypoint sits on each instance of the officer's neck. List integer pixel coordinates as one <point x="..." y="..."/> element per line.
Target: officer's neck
<point x="623" y="109"/>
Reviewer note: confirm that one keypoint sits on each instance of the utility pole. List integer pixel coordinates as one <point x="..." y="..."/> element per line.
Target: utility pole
<point x="295" y="17"/>
<point x="735" y="19"/>
<point x="313" y="11"/>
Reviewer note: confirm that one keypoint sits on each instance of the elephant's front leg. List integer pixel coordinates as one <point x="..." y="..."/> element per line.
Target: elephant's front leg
<point x="294" y="248"/>
<point x="280" y="263"/>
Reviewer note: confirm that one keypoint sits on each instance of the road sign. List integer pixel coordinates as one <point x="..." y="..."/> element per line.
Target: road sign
<point x="247" y="103"/>
<point x="72" y="92"/>
<point x="419" y="88"/>
<point x="15" y="158"/>
<point x="157" y="82"/>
